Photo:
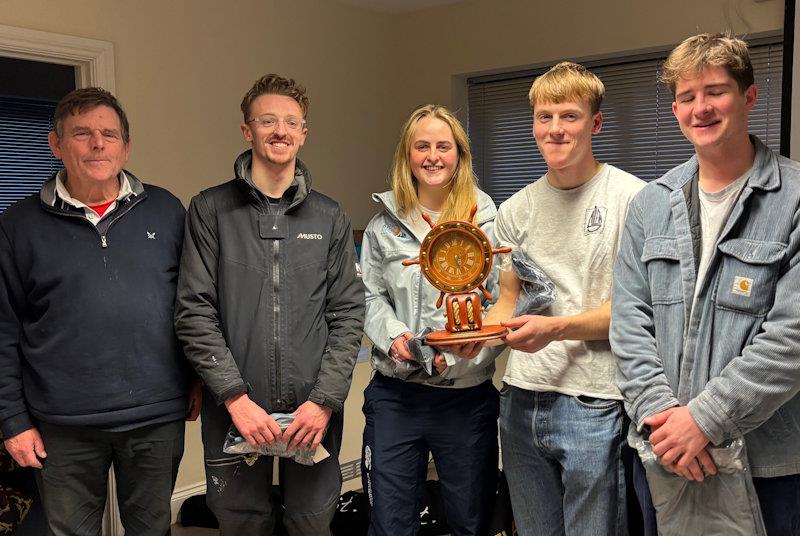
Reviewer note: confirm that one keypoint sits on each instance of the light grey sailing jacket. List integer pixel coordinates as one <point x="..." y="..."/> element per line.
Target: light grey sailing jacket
<point x="400" y="299"/>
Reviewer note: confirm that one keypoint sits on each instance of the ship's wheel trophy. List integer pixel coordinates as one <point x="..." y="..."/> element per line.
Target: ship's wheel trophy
<point x="456" y="258"/>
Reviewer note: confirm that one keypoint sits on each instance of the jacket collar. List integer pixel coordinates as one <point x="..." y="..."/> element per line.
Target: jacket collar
<point x="486" y="210"/>
<point x="765" y="174"/>
<point x="298" y="190"/>
<point x="49" y="196"/>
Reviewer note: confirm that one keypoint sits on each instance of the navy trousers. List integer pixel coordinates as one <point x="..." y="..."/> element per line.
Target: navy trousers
<point x="405" y="423"/>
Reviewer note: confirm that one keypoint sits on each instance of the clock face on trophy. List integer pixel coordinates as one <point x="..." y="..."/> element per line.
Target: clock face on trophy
<point x="456" y="257"/>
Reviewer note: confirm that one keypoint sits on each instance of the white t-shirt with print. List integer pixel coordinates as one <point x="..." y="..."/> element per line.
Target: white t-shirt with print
<point x="573" y="235"/>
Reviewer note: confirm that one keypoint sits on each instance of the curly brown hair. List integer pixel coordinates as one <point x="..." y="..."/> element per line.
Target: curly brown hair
<point x="273" y="84"/>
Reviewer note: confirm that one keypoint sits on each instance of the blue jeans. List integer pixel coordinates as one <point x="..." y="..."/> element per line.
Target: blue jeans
<point x="562" y="458"/>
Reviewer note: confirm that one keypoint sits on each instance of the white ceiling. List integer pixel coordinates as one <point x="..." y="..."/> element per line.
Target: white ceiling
<point x="398" y="6"/>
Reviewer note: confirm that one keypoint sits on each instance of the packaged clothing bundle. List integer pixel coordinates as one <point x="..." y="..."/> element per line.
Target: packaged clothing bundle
<point x="538" y="291"/>
<point x="725" y="503"/>
<point x="236" y="444"/>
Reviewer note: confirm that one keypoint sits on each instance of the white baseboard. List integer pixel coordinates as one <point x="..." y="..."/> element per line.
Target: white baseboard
<point x="182" y="494"/>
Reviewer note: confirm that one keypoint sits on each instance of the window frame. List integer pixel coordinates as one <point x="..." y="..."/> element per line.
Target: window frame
<point x="463" y="82"/>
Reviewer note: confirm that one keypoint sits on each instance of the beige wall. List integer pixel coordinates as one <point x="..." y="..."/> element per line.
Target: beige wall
<point x="182" y="67"/>
<point x="490" y="35"/>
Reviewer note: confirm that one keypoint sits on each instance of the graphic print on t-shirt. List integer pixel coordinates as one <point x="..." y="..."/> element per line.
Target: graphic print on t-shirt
<point x="595" y="220"/>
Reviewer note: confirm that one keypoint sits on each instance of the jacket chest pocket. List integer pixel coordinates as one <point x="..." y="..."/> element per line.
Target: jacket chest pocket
<point x="748" y="272"/>
<point x="660" y="255"/>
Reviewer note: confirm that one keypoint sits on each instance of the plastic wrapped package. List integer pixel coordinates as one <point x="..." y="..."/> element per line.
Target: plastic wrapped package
<point x="236" y="444"/>
<point x="538" y="292"/>
<point x="725" y="503"/>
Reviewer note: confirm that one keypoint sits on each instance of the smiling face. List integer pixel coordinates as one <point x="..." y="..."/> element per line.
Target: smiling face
<point x="276" y="146"/>
<point x="563" y="133"/>
<point x="433" y="154"/>
<point x="91" y="146"/>
<point x="712" y="110"/>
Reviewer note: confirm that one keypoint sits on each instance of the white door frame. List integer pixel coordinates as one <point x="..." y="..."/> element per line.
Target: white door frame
<point x="93" y="59"/>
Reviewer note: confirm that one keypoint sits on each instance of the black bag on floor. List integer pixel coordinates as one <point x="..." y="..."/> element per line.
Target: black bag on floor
<point x="352" y="515"/>
<point x="195" y="513"/>
<point x="432" y="517"/>
<point x="502" y="517"/>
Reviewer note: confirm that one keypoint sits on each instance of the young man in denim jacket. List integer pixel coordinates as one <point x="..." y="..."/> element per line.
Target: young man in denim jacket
<point x="705" y="321"/>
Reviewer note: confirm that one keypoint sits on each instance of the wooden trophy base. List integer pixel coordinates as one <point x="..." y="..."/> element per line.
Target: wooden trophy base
<point x="452" y="338"/>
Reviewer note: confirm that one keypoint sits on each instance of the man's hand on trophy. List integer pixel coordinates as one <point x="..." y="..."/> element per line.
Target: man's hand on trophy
<point x="531" y="333"/>
<point x="399" y="351"/>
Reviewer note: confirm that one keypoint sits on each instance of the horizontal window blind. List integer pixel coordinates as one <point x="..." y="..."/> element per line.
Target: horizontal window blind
<point x="640" y="134"/>
<point x="25" y="158"/>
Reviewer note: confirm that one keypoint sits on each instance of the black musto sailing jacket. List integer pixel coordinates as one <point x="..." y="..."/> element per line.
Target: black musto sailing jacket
<point x="86" y="331"/>
<point x="269" y="301"/>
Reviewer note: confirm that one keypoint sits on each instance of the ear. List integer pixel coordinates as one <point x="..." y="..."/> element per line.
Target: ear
<point x="750" y="97"/>
<point x="53" y="141"/>
<point x="675" y="109"/>
<point x="302" y="137"/>
<point x="597" y="123"/>
<point x="246" y="132"/>
<point x="128" y="150"/>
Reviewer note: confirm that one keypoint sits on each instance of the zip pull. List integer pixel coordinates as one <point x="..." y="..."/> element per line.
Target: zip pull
<point x="103" y="241"/>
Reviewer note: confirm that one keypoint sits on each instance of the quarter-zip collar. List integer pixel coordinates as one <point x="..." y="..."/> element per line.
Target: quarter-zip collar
<point x="49" y="197"/>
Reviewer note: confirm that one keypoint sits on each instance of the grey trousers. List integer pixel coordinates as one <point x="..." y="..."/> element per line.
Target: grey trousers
<point x="73" y="482"/>
<point x="238" y="490"/>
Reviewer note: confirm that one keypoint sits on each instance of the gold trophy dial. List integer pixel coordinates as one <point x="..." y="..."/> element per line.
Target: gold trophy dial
<point x="455" y="256"/>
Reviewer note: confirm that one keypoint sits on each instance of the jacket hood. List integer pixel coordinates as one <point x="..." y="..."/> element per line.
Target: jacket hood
<point x="301" y="183"/>
<point x="48" y="195"/>
<point x="486" y="208"/>
<point x="765" y="170"/>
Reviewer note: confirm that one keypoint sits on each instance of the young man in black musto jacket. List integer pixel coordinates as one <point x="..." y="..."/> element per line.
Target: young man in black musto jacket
<point x="270" y="312"/>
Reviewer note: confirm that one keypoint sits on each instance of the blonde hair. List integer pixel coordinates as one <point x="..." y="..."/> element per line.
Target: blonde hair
<point x="461" y="198"/>
<point x="567" y="81"/>
<point x="709" y="50"/>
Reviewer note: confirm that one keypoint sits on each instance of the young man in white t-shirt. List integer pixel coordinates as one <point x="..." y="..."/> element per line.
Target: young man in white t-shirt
<point x="561" y="417"/>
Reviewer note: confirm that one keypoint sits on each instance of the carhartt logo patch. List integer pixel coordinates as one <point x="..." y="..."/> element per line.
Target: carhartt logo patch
<point x="595" y="220"/>
<point x="309" y="236"/>
<point x="742" y="286"/>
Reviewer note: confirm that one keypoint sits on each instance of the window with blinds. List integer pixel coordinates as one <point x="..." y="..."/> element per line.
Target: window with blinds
<point x="25" y="158"/>
<point x="639" y="135"/>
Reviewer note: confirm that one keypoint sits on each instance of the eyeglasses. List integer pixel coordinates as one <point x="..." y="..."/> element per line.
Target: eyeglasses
<point x="270" y="122"/>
